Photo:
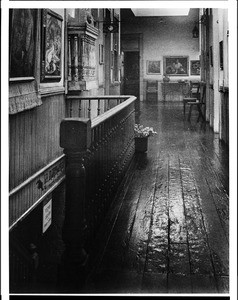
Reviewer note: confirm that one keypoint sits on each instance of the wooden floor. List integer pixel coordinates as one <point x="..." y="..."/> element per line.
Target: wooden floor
<point x="167" y="231"/>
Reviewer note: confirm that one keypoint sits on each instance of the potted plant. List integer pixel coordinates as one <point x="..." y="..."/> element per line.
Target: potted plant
<point x="141" y="137"/>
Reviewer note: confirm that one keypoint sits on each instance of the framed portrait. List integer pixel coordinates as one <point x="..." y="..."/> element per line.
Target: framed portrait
<point x="153" y="67"/>
<point x="176" y="65"/>
<point x="22" y="29"/>
<point x="195" y="67"/>
<point x="51" y="46"/>
<point x="101" y="54"/>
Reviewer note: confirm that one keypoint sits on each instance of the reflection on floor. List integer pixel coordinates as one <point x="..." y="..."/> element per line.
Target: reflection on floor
<point x="170" y="220"/>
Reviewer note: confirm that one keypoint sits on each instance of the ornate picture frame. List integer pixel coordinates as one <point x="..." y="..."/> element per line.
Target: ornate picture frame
<point x="195" y="67"/>
<point x="176" y="65"/>
<point x="22" y="31"/>
<point x="153" y="67"/>
<point x="51" y="46"/>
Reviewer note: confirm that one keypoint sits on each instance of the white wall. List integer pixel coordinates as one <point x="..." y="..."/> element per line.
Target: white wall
<point x="167" y="36"/>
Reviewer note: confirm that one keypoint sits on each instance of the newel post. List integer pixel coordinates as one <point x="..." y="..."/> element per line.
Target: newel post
<point x="75" y="138"/>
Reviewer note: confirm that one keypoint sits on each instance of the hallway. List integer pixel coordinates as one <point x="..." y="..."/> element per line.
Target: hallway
<point x="170" y="219"/>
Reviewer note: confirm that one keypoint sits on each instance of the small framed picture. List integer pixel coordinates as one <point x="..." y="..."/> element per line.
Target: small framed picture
<point x="195" y="67"/>
<point x="51" y="46"/>
<point x="153" y="67"/>
<point x="101" y="54"/>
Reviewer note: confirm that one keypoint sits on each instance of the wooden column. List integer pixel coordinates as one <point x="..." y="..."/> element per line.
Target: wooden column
<point x="75" y="138"/>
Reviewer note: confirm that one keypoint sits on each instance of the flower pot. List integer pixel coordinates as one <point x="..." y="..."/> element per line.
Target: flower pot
<point x="141" y="144"/>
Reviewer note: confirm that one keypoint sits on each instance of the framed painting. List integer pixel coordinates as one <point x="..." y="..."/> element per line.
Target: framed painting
<point x="176" y="65"/>
<point x="22" y="29"/>
<point x="195" y="67"/>
<point x="153" y="67"/>
<point x="51" y="46"/>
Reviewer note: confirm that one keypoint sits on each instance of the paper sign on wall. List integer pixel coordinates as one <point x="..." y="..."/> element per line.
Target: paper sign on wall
<point x="47" y="215"/>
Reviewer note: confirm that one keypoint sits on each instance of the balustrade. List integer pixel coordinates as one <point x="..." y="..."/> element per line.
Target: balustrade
<point x="78" y="106"/>
<point x="98" y="153"/>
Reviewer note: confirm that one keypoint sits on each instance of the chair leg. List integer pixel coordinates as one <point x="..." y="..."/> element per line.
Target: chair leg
<point x="190" y="112"/>
<point x="200" y="113"/>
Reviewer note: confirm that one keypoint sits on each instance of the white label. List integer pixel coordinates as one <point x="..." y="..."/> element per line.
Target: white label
<point x="47" y="214"/>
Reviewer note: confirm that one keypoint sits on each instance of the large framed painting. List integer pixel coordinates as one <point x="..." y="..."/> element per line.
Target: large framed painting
<point x="51" y="46"/>
<point x="22" y="29"/>
<point x="153" y="67"/>
<point x="176" y="65"/>
<point x="195" y="67"/>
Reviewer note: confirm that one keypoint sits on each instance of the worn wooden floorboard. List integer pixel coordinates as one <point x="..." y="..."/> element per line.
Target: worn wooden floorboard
<point x="170" y="233"/>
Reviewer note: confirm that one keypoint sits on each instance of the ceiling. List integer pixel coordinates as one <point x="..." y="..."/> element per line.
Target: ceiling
<point x="147" y="12"/>
<point x="168" y="15"/>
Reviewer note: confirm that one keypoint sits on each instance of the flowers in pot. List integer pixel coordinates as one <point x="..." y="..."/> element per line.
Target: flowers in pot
<point x="141" y="137"/>
<point x="141" y="131"/>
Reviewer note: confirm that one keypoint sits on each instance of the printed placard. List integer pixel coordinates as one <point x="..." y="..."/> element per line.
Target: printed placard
<point x="47" y="215"/>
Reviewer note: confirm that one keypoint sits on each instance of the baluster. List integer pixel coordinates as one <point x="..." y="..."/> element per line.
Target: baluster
<point x="69" y="59"/>
<point x="79" y="107"/>
<point x="89" y="108"/>
<point x="108" y="104"/>
<point x="118" y="101"/>
<point x="70" y="108"/>
<point x="96" y="180"/>
<point x="98" y="107"/>
<point x="76" y="54"/>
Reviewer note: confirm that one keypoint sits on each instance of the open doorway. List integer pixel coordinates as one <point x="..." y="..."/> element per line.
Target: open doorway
<point x="131" y="82"/>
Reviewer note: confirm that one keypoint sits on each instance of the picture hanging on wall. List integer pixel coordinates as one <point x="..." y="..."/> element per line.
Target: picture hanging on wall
<point x="22" y="43"/>
<point x="51" y="50"/>
<point x="153" y="67"/>
<point x="195" y="67"/>
<point x="176" y="65"/>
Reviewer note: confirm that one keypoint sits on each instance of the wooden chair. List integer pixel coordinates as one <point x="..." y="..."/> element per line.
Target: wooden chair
<point x="192" y="95"/>
<point x="200" y="104"/>
<point x="152" y="90"/>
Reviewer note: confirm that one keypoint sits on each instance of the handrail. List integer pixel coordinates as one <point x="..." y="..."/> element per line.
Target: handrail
<point x="81" y="106"/>
<point x="108" y="114"/>
<point x="113" y="97"/>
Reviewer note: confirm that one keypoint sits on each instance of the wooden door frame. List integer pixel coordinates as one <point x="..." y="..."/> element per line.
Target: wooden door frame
<point x="138" y="37"/>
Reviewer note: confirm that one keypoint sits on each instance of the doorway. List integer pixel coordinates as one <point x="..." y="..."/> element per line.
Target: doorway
<point x="131" y="82"/>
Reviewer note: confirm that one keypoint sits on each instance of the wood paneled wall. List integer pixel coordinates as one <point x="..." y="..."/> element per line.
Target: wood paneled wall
<point x="34" y="138"/>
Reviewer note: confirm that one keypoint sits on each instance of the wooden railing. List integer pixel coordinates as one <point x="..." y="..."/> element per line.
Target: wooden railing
<point x="98" y="153"/>
<point x="91" y="106"/>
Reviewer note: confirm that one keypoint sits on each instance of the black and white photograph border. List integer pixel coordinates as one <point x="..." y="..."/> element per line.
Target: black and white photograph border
<point x="146" y="236"/>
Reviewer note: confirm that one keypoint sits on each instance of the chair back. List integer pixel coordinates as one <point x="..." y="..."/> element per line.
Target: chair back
<point x="195" y="89"/>
<point x="152" y="86"/>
